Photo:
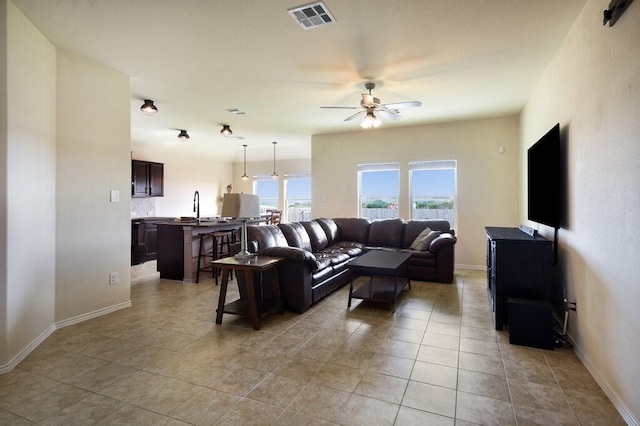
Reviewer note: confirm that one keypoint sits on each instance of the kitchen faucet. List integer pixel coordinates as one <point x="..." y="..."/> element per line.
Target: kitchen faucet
<point x="196" y="209"/>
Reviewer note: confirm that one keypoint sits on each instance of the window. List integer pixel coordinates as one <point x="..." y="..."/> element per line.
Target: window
<point x="378" y="187"/>
<point x="267" y="189"/>
<point x="297" y="190"/>
<point x="433" y="189"/>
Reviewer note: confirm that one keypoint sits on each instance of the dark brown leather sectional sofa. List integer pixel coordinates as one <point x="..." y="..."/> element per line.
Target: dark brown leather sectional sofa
<point x="318" y="251"/>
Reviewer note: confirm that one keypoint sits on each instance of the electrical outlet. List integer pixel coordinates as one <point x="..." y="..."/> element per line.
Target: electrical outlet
<point x="113" y="278"/>
<point x="114" y="195"/>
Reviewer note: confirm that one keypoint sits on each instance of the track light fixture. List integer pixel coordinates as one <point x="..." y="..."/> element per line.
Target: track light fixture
<point x="148" y="107"/>
<point x="226" y="130"/>
<point x="244" y="176"/>
<point x="183" y="135"/>
<point x="274" y="175"/>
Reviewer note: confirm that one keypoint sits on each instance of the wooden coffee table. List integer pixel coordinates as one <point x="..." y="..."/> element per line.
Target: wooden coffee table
<point x="383" y="269"/>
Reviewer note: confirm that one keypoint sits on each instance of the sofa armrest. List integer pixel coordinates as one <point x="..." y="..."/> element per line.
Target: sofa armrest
<point x="293" y="254"/>
<point x="443" y="240"/>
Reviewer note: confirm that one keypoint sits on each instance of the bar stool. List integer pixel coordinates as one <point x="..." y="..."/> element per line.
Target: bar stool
<point x="220" y="247"/>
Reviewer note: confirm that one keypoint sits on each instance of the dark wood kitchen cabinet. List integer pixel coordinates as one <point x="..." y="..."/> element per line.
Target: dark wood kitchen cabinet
<point x="147" y="179"/>
<point x="151" y="240"/>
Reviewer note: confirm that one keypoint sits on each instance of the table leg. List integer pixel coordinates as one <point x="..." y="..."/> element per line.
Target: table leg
<point x="276" y="289"/>
<point x="251" y="296"/>
<point x="395" y="291"/>
<point x="408" y="279"/>
<point x="350" y="291"/>
<point x="223" y="295"/>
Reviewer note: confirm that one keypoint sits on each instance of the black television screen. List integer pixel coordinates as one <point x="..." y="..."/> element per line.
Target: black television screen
<point x="543" y="178"/>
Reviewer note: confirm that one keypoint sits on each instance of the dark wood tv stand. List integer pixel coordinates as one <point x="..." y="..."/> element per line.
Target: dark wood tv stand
<point x="518" y="266"/>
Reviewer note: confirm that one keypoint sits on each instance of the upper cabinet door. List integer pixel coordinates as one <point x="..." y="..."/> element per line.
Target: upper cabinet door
<point x="139" y="178"/>
<point x="147" y="179"/>
<point x="156" y="179"/>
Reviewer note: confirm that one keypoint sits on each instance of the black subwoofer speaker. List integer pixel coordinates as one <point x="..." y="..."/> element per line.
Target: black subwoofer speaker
<point x="530" y="323"/>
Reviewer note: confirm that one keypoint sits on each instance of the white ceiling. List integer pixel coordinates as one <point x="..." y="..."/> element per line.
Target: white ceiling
<point x="196" y="58"/>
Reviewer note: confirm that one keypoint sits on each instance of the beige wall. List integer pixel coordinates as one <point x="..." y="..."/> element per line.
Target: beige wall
<point x="93" y="151"/>
<point x="61" y="158"/>
<point x="28" y="187"/>
<point x="183" y="175"/>
<point x="592" y="87"/>
<point x="266" y="168"/>
<point x="487" y="181"/>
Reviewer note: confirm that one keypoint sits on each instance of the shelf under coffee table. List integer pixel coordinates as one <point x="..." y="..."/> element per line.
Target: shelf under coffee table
<point x="384" y="283"/>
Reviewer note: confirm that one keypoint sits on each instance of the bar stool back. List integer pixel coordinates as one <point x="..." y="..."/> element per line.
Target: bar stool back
<point x="220" y="247"/>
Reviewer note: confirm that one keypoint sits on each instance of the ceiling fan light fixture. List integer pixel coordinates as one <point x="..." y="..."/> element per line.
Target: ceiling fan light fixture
<point x="226" y="130"/>
<point x="183" y="135"/>
<point x="274" y="175"/>
<point x="244" y="176"/>
<point x="148" y="108"/>
<point x="370" y="121"/>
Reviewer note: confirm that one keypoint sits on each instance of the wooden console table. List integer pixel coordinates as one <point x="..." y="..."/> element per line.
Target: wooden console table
<point x="250" y="307"/>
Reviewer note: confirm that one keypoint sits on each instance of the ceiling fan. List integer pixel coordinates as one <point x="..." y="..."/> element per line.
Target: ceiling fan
<point x="370" y="106"/>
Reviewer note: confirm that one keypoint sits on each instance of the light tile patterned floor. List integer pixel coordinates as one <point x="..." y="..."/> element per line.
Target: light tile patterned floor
<point x="437" y="361"/>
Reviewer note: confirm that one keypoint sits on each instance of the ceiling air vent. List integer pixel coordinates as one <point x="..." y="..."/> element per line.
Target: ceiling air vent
<point x="312" y="15"/>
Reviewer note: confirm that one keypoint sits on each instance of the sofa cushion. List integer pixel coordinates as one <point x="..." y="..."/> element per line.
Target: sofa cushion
<point x="333" y="256"/>
<point x="353" y="229"/>
<point x="296" y="235"/>
<point x="349" y="247"/>
<point x="266" y="236"/>
<point x="386" y="233"/>
<point x="330" y="229"/>
<point x="317" y="236"/>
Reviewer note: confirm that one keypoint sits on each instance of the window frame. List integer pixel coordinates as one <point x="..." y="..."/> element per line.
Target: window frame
<point x="434" y="165"/>
<point x="379" y="167"/>
<point x="266" y="178"/>
<point x="287" y="213"/>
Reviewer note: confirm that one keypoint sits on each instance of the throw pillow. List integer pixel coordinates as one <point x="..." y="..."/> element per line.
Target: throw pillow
<point x="417" y="243"/>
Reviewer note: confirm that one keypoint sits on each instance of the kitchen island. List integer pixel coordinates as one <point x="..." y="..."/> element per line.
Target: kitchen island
<point x="178" y="244"/>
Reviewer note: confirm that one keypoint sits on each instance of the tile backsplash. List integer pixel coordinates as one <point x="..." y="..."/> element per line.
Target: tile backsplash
<point x="143" y="207"/>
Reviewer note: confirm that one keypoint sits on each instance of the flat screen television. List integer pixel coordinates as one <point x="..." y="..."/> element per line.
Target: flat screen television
<point x="543" y="179"/>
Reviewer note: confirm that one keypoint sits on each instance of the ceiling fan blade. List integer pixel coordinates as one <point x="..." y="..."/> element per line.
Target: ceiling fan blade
<point x="402" y="105"/>
<point x="336" y="107"/>
<point x="388" y="114"/>
<point x="354" y="116"/>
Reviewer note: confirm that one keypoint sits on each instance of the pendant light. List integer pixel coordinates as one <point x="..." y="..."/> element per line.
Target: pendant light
<point x="244" y="176"/>
<point x="148" y="107"/>
<point x="274" y="175"/>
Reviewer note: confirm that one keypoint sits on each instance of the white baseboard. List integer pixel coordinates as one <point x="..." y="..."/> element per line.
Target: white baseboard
<point x="622" y="408"/>
<point x="53" y="327"/>
<point x="94" y="314"/>
<point x="27" y="350"/>
<point x="472" y="267"/>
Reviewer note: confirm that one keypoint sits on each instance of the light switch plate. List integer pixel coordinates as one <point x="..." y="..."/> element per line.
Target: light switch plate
<point x="115" y="195"/>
